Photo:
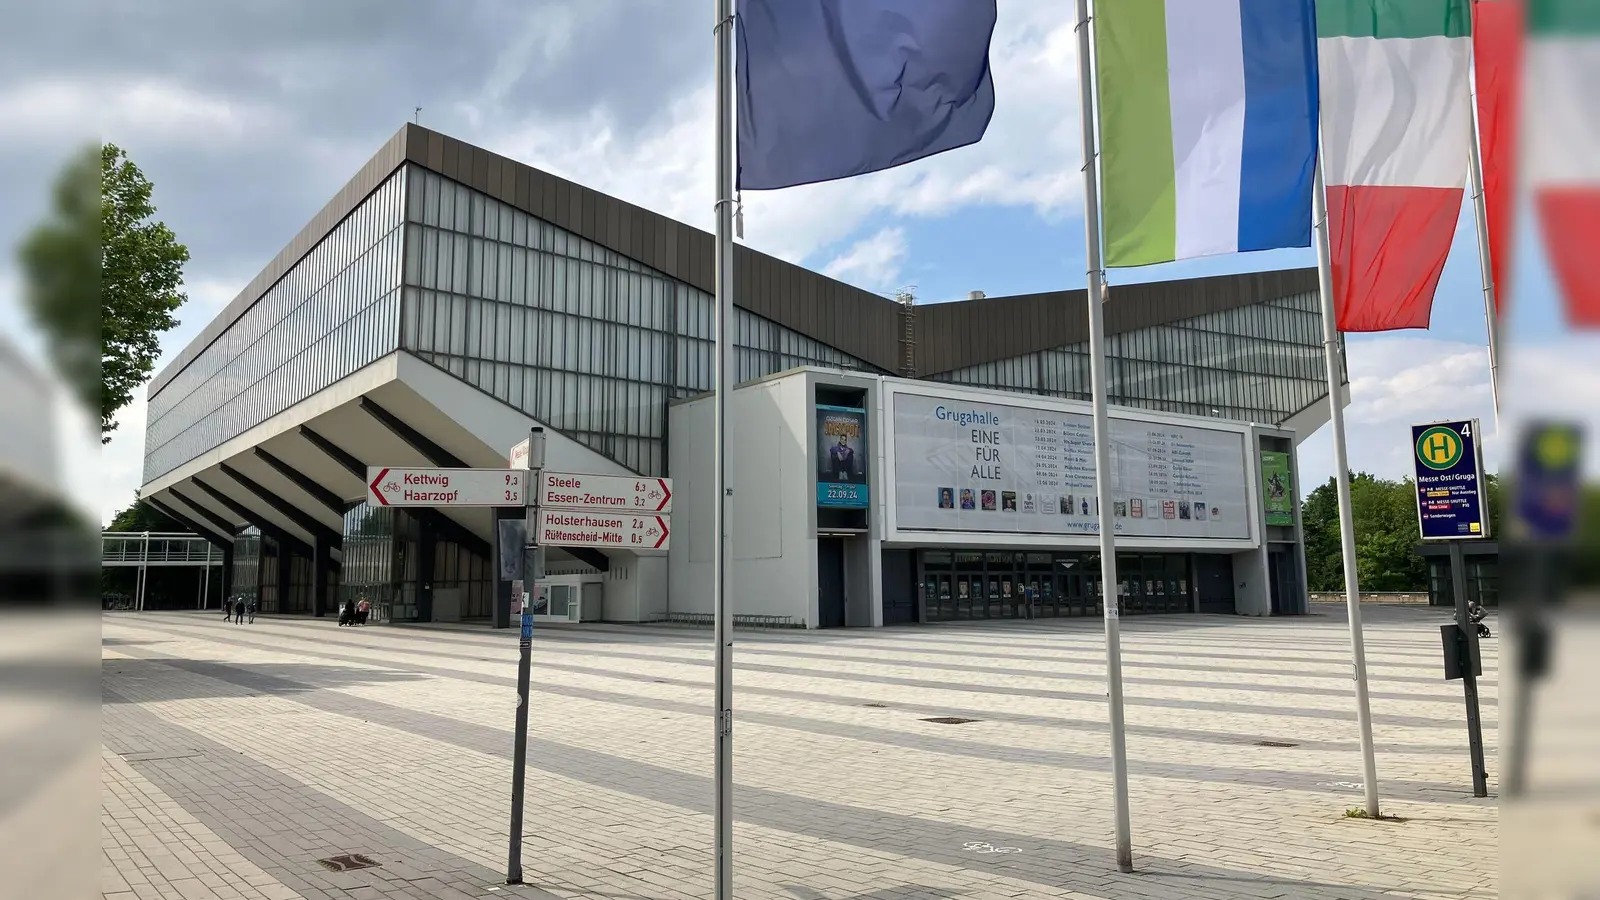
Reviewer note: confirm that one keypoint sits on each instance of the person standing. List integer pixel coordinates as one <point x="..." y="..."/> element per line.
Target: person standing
<point x="250" y="608"/>
<point x="238" y="611"/>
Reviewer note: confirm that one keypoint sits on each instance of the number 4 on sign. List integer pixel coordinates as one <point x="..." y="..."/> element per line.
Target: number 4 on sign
<point x="1466" y="430"/>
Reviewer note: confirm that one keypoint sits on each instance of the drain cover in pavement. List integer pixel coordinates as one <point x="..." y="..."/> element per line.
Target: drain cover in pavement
<point x="1275" y="744"/>
<point x="347" y="862"/>
<point x="949" y="720"/>
<point x="157" y="755"/>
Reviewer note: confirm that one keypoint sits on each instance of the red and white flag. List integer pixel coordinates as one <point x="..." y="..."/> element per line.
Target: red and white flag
<point x="1396" y="133"/>
<point x="1562" y="145"/>
<point x="1497" y="69"/>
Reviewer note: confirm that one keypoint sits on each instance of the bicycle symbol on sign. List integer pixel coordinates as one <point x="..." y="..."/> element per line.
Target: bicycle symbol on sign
<point x="986" y="847"/>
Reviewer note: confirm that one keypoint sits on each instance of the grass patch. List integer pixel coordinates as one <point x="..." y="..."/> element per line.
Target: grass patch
<point x="1358" y="813"/>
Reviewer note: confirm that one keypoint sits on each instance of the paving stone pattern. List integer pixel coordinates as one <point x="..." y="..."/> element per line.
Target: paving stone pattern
<point x="236" y="757"/>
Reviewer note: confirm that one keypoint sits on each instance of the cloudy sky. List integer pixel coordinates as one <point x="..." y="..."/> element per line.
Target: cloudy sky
<point x="248" y="117"/>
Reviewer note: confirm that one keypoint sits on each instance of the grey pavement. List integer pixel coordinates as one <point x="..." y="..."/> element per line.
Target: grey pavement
<point x="236" y="757"/>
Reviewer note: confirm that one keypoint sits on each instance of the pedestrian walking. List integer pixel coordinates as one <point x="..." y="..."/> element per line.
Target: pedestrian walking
<point x="238" y="611"/>
<point x="250" y="607"/>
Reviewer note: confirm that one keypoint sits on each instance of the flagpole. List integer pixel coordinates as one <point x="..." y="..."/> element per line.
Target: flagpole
<point x="1485" y="262"/>
<point x="1341" y="466"/>
<point x="721" y="604"/>
<point x="1102" y="444"/>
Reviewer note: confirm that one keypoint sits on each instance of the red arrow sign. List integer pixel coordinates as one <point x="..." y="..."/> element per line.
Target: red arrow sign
<point x="666" y="495"/>
<point x="663" y="537"/>
<point x="378" y="492"/>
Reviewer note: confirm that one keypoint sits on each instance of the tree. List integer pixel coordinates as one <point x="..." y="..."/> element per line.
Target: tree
<point x="1385" y="516"/>
<point x="141" y="516"/>
<point x="103" y="279"/>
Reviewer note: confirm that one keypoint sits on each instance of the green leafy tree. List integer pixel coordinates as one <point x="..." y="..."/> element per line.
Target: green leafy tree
<point x="141" y="516"/>
<point x="103" y="278"/>
<point x="1385" y="516"/>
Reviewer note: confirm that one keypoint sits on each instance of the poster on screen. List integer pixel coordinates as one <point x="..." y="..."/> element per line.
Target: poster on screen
<point x="972" y="466"/>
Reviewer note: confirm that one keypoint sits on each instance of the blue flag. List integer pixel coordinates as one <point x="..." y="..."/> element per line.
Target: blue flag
<point x="833" y="88"/>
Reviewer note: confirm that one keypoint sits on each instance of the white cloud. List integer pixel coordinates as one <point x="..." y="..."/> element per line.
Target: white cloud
<point x="121" y="461"/>
<point x="1558" y="379"/>
<point x="1030" y="156"/>
<point x="1397" y="382"/>
<point x="53" y="110"/>
<point x="873" y="263"/>
<point x="207" y="296"/>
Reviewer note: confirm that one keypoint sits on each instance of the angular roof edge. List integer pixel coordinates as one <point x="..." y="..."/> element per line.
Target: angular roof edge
<point x="858" y="322"/>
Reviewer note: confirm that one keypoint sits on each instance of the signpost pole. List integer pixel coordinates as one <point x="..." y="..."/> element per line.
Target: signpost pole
<point x="1468" y="635"/>
<point x="519" y="752"/>
<point x="1102" y="450"/>
<point x="1341" y="473"/>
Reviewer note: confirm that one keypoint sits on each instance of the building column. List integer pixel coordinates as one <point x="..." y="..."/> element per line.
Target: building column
<point x="285" y="573"/>
<point x="319" y="578"/>
<point x="426" y="544"/>
<point x="227" y="572"/>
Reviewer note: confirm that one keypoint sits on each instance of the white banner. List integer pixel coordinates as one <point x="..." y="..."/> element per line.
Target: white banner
<point x="966" y="466"/>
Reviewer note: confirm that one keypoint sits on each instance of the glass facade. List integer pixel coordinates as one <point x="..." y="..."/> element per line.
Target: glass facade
<point x="586" y="340"/>
<point x="1005" y="584"/>
<point x="389" y="555"/>
<point x="247" y="564"/>
<point x="1482" y="578"/>
<point x="1258" y="363"/>
<point x="335" y="311"/>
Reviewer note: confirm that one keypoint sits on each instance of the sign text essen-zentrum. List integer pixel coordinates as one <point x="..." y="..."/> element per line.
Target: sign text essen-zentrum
<point x="388" y="486"/>
<point x="618" y="493"/>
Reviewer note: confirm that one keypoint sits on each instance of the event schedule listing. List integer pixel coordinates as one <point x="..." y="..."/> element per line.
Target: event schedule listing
<point x="993" y="467"/>
<point x="1063" y="454"/>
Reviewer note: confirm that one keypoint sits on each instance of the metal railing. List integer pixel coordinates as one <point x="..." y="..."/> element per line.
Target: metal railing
<point x="144" y="549"/>
<point x="148" y="548"/>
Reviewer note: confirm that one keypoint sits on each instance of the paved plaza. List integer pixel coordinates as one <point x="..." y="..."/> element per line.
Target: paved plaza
<point x="235" y="757"/>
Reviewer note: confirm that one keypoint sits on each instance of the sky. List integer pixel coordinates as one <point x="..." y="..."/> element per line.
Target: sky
<point x="248" y="117"/>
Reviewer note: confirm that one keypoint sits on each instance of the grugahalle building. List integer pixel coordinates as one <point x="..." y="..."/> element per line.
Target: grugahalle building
<point x="447" y="299"/>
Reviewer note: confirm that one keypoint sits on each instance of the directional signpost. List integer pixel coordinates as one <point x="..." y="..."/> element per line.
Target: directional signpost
<point x="621" y="512"/>
<point x="622" y="531"/>
<point x="609" y="492"/>
<point x="1452" y="506"/>
<point x="389" y="486"/>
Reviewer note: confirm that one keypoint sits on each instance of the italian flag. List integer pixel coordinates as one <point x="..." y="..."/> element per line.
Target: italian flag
<point x="1562" y="144"/>
<point x="1396" y="127"/>
<point x="1497" y="66"/>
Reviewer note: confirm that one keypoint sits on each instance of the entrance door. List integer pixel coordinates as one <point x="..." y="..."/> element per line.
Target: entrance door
<point x="1213" y="574"/>
<point x="1285" y="582"/>
<point x="830" y="583"/>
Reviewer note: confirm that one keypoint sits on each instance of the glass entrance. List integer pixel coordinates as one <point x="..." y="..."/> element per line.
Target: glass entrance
<point x="1007" y="584"/>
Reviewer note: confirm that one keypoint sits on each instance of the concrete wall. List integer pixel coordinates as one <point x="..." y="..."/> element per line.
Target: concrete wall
<point x="772" y="566"/>
<point x="635" y="589"/>
<point x="1252" y="583"/>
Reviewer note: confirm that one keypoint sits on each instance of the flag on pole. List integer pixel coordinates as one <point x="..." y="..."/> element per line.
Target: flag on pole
<point x="1208" y="126"/>
<point x="1396" y="126"/>
<point x="833" y="88"/>
<point x="1562" y="128"/>
<point x="1497" y="64"/>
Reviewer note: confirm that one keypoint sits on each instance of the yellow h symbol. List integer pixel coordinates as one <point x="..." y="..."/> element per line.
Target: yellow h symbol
<point x="1439" y="448"/>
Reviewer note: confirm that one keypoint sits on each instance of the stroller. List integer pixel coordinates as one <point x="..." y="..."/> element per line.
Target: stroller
<point x="1475" y="614"/>
<point x="347" y="613"/>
